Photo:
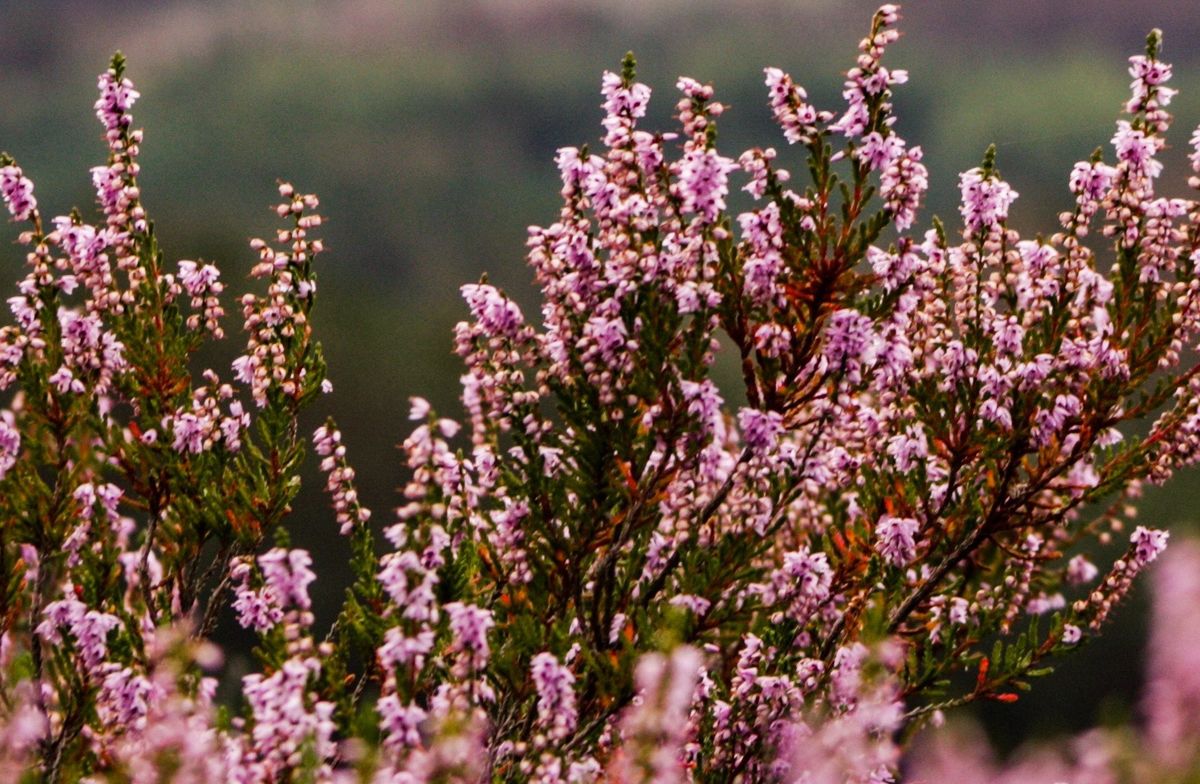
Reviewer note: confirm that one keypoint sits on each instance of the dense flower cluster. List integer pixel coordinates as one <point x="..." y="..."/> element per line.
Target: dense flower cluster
<point x="607" y="573"/>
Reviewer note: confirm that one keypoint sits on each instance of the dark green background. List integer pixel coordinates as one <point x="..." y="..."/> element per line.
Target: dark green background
<point x="429" y="129"/>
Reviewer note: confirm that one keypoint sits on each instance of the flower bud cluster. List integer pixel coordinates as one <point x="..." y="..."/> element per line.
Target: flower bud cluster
<point x="277" y="322"/>
<point x="327" y="441"/>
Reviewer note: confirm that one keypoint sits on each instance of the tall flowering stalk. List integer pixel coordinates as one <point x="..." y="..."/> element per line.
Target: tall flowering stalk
<point x="131" y="488"/>
<point x="606" y="573"/>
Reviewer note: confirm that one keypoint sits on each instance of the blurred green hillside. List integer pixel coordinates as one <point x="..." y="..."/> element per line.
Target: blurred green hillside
<point x="429" y="130"/>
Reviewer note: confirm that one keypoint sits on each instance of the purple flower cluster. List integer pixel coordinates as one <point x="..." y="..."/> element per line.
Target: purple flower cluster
<point x="985" y="200"/>
<point x="795" y="116"/>
<point x="17" y="191"/>
<point x="896" y="539"/>
<point x="277" y="322"/>
<point x="327" y="441"/>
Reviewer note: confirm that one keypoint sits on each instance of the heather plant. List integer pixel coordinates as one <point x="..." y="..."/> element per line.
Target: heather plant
<point x="605" y="572"/>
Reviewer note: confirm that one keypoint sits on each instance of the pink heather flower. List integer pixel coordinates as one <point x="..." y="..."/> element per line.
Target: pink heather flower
<point x="399" y="723"/>
<point x="59" y="614"/>
<point x="556" y="695"/>
<point x="89" y="628"/>
<point x="799" y="586"/>
<point x="508" y="538"/>
<point x="125" y="698"/>
<point x="985" y="200"/>
<point x="109" y="182"/>
<point x="797" y="118"/>
<point x="609" y="335"/>
<point x="419" y="409"/>
<point x="697" y="605"/>
<point x="845" y="678"/>
<point x="286" y="720"/>
<point x="1071" y="634"/>
<point x="649" y="150"/>
<point x="288" y="573"/>
<point x="763" y="230"/>
<point x="850" y="343"/>
<point x="91" y="636"/>
<point x="893" y="269"/>
<point x="1147" y="71"/>
<point x="902" y="184"/>
<point x="704" y="402"/>
<point x="469" y="626"/>
<point x="579" y="174"/>
<point x="960" y="611"/>
<point x="1149" y="78"/>
<point x="80" y="332"/>
<point x="852" y="743"/>
<point x="231" y="426"/>
<point x="760" y="429"/>
<point x="704" y="182"/>
<point x="808" y="572"/>
<point x="1091" y="181"/>
<point x="1194" y="156"/>
<point x="90" y="349"/>
<point x="203" y="285"/>
<point x="108" y="495"/>
<point x="10" y="443"/>
<point x="81" y="242"/>
<point x="772" y="340"/>
<point x="340" y="482"/>
<point x="655" y="729"/>
<point x="1007" y="335"/>
<point x="495" y="313"/>
<point x="1051" y="421"/>
<point x="878" y="151"/>
<point x="908" y="449"/>
<point x="192" y="432"/>
<point x="17" y="191"/>
<point x="630" y="101"/>
<point x="1137" y="150"/>
<point x="1081" y="571"/>
<point x="757" y="163"/>
<point x="400" y="650"/>
<point x="894" y="539"/>
<point x="623" y="106"/>
<point x="258" y="610"/>
<point x="414" y="595"/>
<point x="1148" y="543"/>
<point x="869" y="80"/>
<point x="694" y="89"/>
<point x="1042" y="603"/>
<point x="116" y="98"/>
<point x="198" y="281"/>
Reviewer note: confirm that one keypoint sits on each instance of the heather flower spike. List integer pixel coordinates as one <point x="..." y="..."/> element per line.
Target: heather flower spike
<point x="605" y="571"/>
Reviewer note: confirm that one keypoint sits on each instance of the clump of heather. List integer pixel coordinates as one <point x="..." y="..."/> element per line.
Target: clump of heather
<point x="605" y="572"/>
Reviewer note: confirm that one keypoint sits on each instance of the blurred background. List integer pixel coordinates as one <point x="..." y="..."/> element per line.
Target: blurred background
<point x="428" y="129"/>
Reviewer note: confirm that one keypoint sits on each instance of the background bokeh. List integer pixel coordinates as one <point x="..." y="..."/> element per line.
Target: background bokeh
<point x="429" y="128"/>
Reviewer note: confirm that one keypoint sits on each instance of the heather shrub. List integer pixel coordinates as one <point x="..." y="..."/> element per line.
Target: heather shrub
<point x="605" y="572"/>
